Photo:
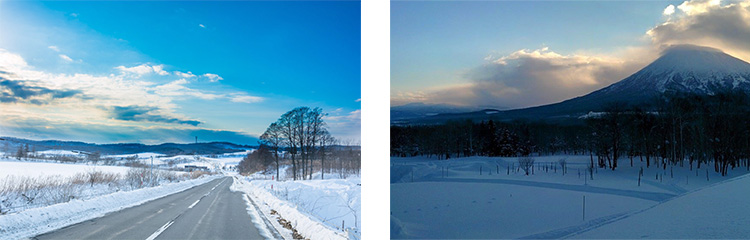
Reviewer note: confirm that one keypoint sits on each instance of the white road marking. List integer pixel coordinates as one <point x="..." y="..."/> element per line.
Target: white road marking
<point x="193" y="205"/>
<point x="156" y="234"/>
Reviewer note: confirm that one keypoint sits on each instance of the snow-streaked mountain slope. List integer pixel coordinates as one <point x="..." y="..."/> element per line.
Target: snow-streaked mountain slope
<point x="687" y="69"/>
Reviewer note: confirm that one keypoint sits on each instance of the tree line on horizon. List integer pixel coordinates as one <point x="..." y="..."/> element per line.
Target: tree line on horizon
<point x="675" y="129"/>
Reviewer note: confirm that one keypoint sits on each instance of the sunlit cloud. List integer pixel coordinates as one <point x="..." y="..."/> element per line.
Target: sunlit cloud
<point x="669" y="10"/>
<point x="54" y="48"/>
<point x="707" y="23"/>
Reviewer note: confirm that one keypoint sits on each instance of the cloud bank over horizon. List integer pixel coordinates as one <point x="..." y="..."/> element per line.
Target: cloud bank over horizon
<point x="526" y="78"/>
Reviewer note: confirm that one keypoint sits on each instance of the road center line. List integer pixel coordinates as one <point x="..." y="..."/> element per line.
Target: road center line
<point x="193" y="205"/>
<point x="156" y="234"/>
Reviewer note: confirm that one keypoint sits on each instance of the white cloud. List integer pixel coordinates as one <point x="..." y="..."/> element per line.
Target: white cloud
<point x="346" y="127"/>
<point x="54" y="48"/>
<point x="669" y="10"/>
<point x="66" y="58"/>
<point x="178" y="88"/>
<point x="698" y="7"/>
<point x="213" y="77"/>
<point x="358" y="100"/>
<point x="241" y="98"/>
<point x="184" y="75"/>
<point x="144" y="69"/>
<point x="202" y="26"/>
<point x="11" y="62"/>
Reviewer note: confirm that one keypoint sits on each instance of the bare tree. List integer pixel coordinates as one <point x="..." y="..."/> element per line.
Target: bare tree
<point x="526" y="163"/>
<point x="274" y="139"/>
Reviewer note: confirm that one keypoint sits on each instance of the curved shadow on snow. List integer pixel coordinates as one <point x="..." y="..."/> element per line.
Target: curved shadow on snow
<point x="653" y="196"/>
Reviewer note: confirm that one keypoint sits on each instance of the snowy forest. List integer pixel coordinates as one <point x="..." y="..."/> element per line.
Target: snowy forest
<point x="677" y="129"/>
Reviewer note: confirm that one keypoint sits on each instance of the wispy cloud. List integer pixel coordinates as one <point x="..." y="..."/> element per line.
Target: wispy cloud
<point x="213" y="77"/>
<point x="144" y="69"/>
<point x="241" y="98"/>
<point x="65" y="58"/>
<point x="54" y="48"/>
<point x="201" y="25"/>
<point x="184" y="75"/>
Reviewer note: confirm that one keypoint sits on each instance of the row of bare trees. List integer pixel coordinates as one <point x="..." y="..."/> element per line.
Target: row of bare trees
<point x="675" y="129"/>
<point x="304" y="135"/>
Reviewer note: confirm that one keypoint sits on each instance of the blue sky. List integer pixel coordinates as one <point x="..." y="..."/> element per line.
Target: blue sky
<point x="221" y="70"/>
<point x="453" y="51"/>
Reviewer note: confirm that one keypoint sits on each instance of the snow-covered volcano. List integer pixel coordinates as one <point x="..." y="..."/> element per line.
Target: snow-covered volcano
<point x="688" y="69"/>
<point x="680" y="69"/>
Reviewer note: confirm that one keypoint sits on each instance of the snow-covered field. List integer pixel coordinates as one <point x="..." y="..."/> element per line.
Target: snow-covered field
<point x="11" y="167"/>
<point x="316" y="208"/>
<point x="429" y="197"/>
<point x="34" y="183"/>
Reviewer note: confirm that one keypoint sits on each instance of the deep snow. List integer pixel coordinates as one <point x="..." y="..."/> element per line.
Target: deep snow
<point x="450" y="199"/>
<point x="316" y="208"/>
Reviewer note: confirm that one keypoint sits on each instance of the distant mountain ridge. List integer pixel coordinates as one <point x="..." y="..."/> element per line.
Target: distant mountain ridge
<point x="419" y="110"/>
<point x="126" y="148"/>
<point x="680" y="69"/>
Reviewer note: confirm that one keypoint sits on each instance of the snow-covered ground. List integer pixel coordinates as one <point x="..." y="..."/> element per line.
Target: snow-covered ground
<point x="34" y="183"/>
<point x="494" y="198"/>
<point x="35" y="221"/>
<point x="11" y="167"/>
<point x="316" y="208"/>
<point x="720" y="211"/>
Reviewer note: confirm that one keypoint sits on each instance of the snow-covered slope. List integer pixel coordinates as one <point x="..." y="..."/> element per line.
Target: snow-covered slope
<point x="687" y="68"/>
<point x="719" y="211"/>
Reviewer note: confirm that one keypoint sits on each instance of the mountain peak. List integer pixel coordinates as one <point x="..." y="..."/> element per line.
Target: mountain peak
<point x="697" y="59"/>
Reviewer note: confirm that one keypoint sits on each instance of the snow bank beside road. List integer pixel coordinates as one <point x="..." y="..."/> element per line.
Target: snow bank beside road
<point x="36" y="221"/>
<point x="330" y="198"/>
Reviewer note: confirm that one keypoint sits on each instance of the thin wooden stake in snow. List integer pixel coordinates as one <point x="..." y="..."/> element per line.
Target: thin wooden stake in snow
<point x="584" y="207"/>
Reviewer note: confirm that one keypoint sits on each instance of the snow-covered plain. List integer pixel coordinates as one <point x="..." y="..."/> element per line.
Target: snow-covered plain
<point x="10" y="167"/>
<point x="450" y="199"/>
<point x="316" y="208"/>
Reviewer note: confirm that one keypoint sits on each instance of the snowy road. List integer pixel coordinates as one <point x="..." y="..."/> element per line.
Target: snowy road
<point x="208" y="211"/>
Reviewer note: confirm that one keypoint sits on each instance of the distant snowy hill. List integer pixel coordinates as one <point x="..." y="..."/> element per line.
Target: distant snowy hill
<point x="10" y="145"/>
<point x="680" y="69"/>
<point x="418" y="110"/>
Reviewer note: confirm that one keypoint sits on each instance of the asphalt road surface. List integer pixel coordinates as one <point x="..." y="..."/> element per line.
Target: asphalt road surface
<point x="208" y="211"/>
